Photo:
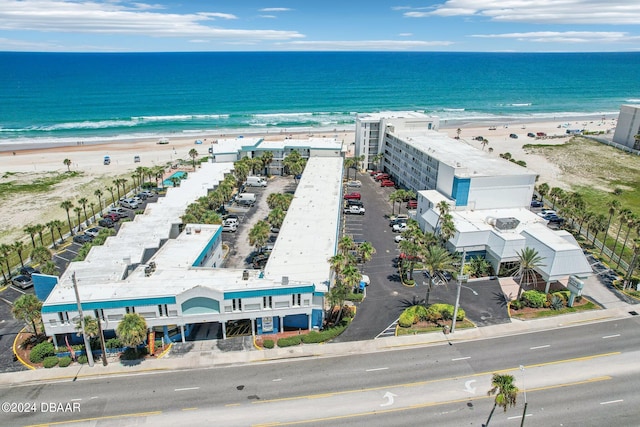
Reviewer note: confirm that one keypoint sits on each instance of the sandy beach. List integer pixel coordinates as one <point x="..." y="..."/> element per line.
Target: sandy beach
<point x="26" y="165"/>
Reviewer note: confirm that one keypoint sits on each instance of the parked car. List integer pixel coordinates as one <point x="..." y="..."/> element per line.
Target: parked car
<point x="544" y="212"/>
<point x="230" y="221"/>
<point x="136" y="159"/>
<point x="230" y="228"/>
<point x="353" y="202"/>
<point x="536" y="204"/>
<point x="22" y="281"/>
<point x="93" y="232"/>
<point x="129" y="204"/>
<point x="399" y="228"/>
<point x="28" y="271"/>
<point x="354" y="196"/>
<point x="114" y="217"/>
<point x="120" y="212"/>
<point x="148" y="193"/>
<point x="354" y="210"/>
<point x="554" y="218"/>
<point x="275" y="230"/>
<point x="381" y="176"/>
<point x="259" y="261"/>
<point x="531" y="135"/>
<point x="513" y="136"/>
<point x="397" y="221"/>
<point x="412" y="204"/>
<point x="106" y="222"/>
<point x="399" y="238"/>
<point x="387" y="183"/>
<point x="82" y="238"/>
<point x="373" y="173"/>
<point x="354" y="183"/>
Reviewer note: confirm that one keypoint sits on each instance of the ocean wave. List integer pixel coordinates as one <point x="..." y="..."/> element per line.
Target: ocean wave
<point x="180" y="117"/>
<point x="522" y="104"/>
<point x="633" y="100"/>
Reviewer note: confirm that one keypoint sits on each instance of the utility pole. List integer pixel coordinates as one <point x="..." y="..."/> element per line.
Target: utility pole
<point x="524" y="387"/>
<point x="455" y="310"/>
<point x="87" y="344"/>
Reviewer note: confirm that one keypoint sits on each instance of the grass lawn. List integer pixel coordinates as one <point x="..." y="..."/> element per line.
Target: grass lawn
<point x="537" y="313"/>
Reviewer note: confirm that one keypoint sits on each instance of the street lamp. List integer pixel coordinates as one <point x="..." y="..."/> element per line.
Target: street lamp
<point x="460" y="277"/>
<point x="524" y="388"/>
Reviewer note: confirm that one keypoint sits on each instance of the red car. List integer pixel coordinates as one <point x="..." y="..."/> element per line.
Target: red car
<point x="412" y="204"/>
<point x="381" y="176"/>
<point x="387" y="183"/>
<point x="352" y="196"/>
<point x="374" y="173"/>
<point x="113" y="217"/>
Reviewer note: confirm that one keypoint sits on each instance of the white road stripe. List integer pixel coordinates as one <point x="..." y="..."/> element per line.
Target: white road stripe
<point x="612" y="401"/>
<point x="540" y="346"/>
<point x="519" y="417"/>
<point x="276" y="379"/>
<point x="461" y="358"/>
<point x="186" y="389"/>
<point x="610" y="336"/>
<point x="376" y="369"/>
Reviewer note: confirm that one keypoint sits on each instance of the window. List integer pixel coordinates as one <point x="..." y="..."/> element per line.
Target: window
<point x="163" y="310"/>
<point x="63" y="317"/>
<point x="236" y="304"/>
<point x="295" y="299"/>
<point x="267" y="302"/>
<point x="98" y="314"/>
<point x="130" y="310"/>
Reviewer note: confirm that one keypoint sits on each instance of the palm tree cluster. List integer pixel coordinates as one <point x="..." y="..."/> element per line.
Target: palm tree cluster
<point x="345" y="268"/>
<point x="572" y="206"/>
<point x="354" y="163"/>
<point x="294" y="163"/>
<point x="506" y="392"/>
<point x="205" y="209"/>
<point x="279" y="201"/>
<point x="399" y="196"/>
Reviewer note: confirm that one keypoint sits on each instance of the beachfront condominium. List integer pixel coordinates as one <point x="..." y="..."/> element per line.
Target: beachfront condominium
<point x="628" y="127"/>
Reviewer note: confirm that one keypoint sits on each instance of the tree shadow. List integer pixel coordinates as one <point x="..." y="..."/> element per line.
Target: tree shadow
<point x="502" y="299"/>
<point x="394" y="277"/>
<point x="406" y="303"/>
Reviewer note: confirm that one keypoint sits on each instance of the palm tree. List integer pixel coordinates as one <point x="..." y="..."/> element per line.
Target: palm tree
<point x="506" y="393"/>
<point x="484" y="143"/>
<point x="58" y="225"/>
<point x="116" y="182"/>
<point x="436" y="260"/>
<point x="447" y="228"/>
<point x="31" y="231"/>
<point x="67" y="205"/>
<point x="345" y="244"/>
<point x="6" y="250"/>
<point x="28" y="308"/>
<point x="4" y="274"/>
<point x="376" y="160"/>
<point x="366" y="251"/>
<point x="458" y="132"/>
<point x="613" y="207"/>
<point x="276" y="217"/>
<point x="528" y="261"/>
<point x="259" y="234"/>
<point x="110" y="190"/>
<point x="92" y="330"/>
<point x="40" y="229"/>
<point x="632" y="222"/>
<point x="411" y="250"/>
<point x="555" y="194"/>
<point x="348" y="164"/>
<point x="632" y="266"/>
<point x="266" y="158"/>
<point x="132" y="330"/>
<point x="50" y="268"/>
<point x="443" y="209"/>
<point x="337" y="264"/>
<point x="395" y="197"/>
<point x="543" y="190"/>
<point x="83" y="201"/>
<point x="193" y="153"/>
<point x="93" y="209"/>
<point x="597" y="225"/>
<point x="294" y="162"/>
<point x="67" y="163"/>
<point x="623" y="216"/>
<point x="19" y="247"/>
<point x="40" y="255"/>
<point x="78" y="211"/>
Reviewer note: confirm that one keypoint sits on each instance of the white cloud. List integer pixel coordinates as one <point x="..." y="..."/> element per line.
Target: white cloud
<point x="564" y="37"/>
<point x="275" y="9"/>
<point x="405" y="34"/>
<point x="615" y="12"/>
<point x="268" y="16"/>
<point x="68" y="16"/>
<point x="363" y="44"/>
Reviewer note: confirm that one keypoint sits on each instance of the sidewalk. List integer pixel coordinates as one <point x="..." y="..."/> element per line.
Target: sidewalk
<point x="202" y="359"/>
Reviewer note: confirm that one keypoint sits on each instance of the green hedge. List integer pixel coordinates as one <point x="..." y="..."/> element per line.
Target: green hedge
<point x="434" y="313"/>
<point x="50" y="362"/>
<point x="289" y="341"/>
<point x="82" y="359"/>
<point x="412" y="315"/>
<point x="114" y="343"/>
<point x="268" y="344"/>
<point x="65" y="361"/>
<point x="315" y="337"/>
<point x="533" y="299"/>
<point x="41" y="351"/>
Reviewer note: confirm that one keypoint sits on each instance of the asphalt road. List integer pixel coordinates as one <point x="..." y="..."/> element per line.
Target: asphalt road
<point x="581" y="375"/>
<point x="387" y="297"/>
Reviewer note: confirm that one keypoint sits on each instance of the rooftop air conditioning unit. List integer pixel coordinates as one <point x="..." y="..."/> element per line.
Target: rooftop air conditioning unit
<point x="245" y="275"/>
<point x="506" y="223"/>
<point x="285" y="280"/>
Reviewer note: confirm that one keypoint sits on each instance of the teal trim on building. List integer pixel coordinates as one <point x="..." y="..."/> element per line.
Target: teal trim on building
<point x="460" y="190"/>
<point x="108" y="304"/>
<point x="215" y="239"/>
<point x="255" y="293"/>
<point x="200" y="305"/>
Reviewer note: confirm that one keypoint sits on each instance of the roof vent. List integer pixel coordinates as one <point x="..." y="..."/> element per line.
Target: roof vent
<point x="285" y="280"/>
<point x="506" y="223"/>
<point x="188" y="230"/>
<point x="245" y="275"/>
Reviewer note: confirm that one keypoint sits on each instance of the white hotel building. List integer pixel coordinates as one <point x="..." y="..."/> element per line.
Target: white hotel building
<point x="489" y="197"/>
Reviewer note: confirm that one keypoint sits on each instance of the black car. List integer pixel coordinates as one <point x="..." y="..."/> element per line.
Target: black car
<point x="28" y="271"/>
<point x="536" y="204"/>
<point x="22" y="281"/>
<point x="82" y="238"/>
<point x="352" y="202"/>
<point x="106" y="222"/>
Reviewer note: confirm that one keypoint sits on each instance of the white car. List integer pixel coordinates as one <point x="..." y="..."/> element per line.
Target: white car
<point x="399" y="228"/>
<point x="229" y="228"/>
<point x="354" y="183"/>
<point x="93" y="232"/>
<point x="545" y="212"/>
<point x="399" y="238"/>
<point x="129" y="204"/>
<point x="354" y="210"/>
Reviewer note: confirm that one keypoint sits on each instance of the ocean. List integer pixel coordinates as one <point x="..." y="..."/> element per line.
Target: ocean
<point x="65" y="97"/>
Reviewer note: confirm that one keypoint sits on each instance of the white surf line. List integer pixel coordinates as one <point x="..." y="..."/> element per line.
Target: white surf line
<point x="540" y="346"/>
<point x="612" y="401"/>
<point x="610" y="336"/>
<point x="186" y="389"/>
<point x="376" y="369"/>
<point x="461" y="358"/>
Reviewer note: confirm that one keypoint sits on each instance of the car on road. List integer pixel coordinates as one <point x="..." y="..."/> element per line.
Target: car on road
<point x="354" y="210"/>
<point x="93" y="232"/>
<point x="352" y="196"/>
<point x="82" y="238"/>
<point x="22" y="281"/>
<point x="387" y="183"/>
<point x="231" y="228"/>
<point x="28" y="271"/>
<point x="399" y="228"/>
<point x="536" y="204"/>
<point x="513" y="136"/>
<point x="354" y="183"/>
<point x="106" y="222"/>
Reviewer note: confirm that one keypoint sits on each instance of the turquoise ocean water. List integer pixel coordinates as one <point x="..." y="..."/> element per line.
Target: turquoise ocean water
<point x="54" y="97"/>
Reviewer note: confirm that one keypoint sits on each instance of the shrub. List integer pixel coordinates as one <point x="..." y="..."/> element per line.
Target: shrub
<point x="114" y="343"/>
<point x="556" y="303"/>
<point x="50" y="362"/>
<point x="64" y="361"/>
<point x="446" y="311"/>
<point x="516" y="304"/>
<point x="412" y="315"/>
<point x="563" y="295"/>
<point x="533" y="299"/>
<point x="409" y="282"/>
<point x="289" y="341"/>
<point x="41" y="351"/>
<point x="82" y="359"/>
<point x="268" y="344"/>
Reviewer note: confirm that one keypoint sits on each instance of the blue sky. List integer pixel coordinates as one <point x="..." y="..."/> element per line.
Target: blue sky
<point x="312" y="25"/>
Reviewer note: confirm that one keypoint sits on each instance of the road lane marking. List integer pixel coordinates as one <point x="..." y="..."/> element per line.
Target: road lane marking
<point x="518" y="417"/>
<point x="539" y="346"/>
<point x="376" y="369"/>
<point x="189" y="409"/>
<point x="276" y="379"/>
<point x="610" y="336"/>
<point x="461" y="358"/>
<point x="612" y="401"/>
<point x="186" y="389"/>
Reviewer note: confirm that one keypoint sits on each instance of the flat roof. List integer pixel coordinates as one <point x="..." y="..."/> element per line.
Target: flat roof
<point x="308" y="235"/>
<point x="236" y="145"/>
<point x="466" y="159"/>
